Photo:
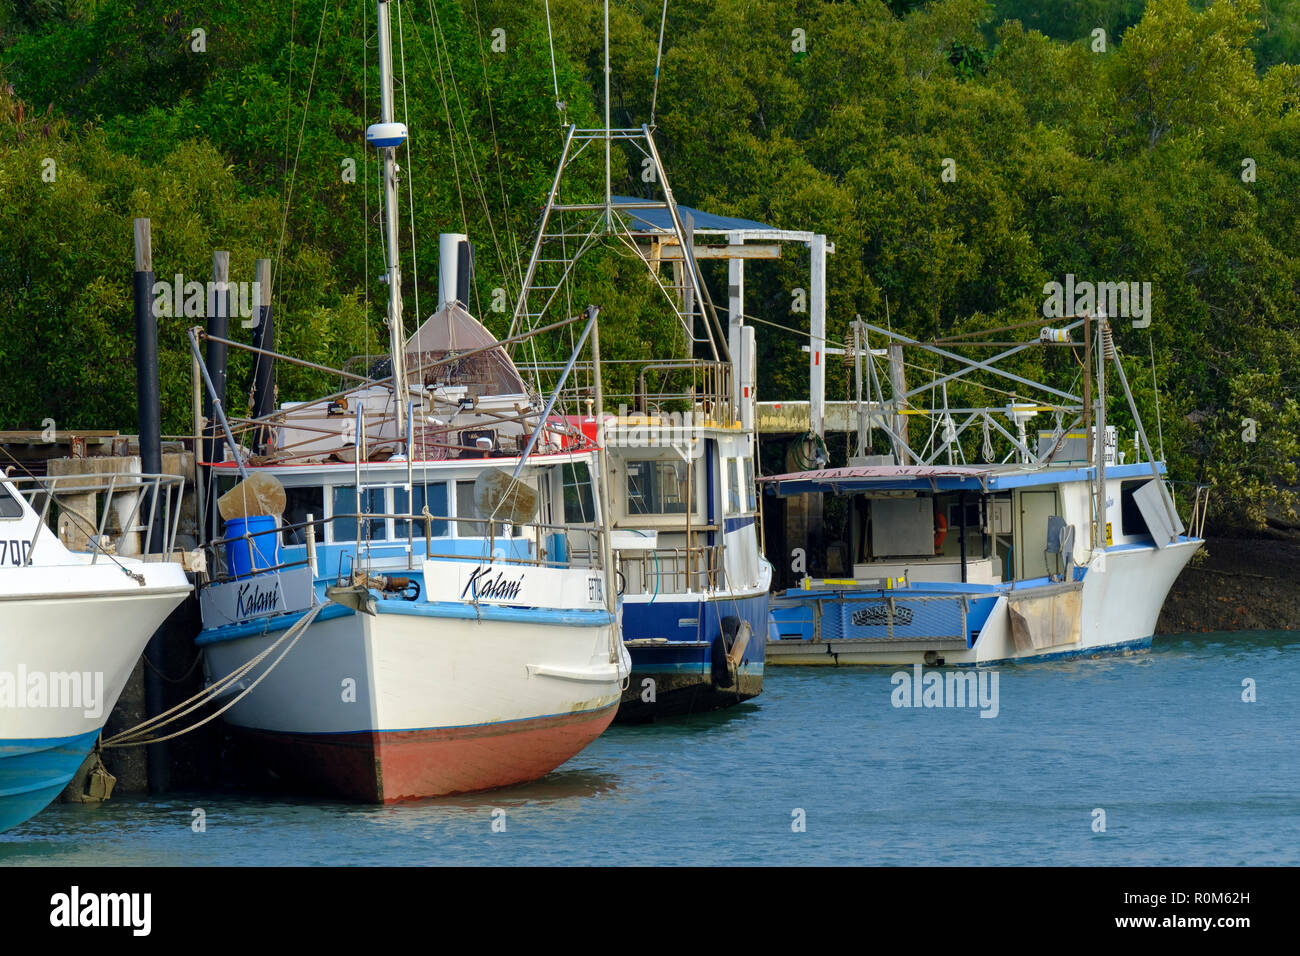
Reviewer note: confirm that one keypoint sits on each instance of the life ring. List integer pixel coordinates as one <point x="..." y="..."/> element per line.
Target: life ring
<point x="940" y="531"/>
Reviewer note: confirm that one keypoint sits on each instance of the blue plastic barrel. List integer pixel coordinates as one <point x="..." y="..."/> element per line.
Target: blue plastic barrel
<point x="558" y="546"/>
<point x="243" y="556"/>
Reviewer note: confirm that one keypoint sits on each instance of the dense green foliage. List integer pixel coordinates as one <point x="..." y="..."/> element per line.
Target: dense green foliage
<point x="1123" y="163"/>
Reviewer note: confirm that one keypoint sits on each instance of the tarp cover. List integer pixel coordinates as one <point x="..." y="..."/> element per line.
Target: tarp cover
<point x="452" y="330"/>
<point x="1045" y="617"/>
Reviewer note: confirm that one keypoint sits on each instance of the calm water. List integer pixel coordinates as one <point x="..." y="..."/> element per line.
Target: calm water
<point x="1186" y="772"/>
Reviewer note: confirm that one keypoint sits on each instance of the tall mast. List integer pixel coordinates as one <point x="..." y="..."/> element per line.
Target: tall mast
<point x="386" y="136"/>
<point x="609" y="201"/>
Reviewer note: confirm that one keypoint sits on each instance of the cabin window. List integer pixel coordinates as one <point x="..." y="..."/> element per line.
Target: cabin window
<point x="373" y="501"/>
<point x="1131" y="518"/>
<point x="435" y="496"/>
<point x="733" y="486"/>
<point x="954" y="516"/>
<point x="751" y="492"/>
<point x="657" y="487"/>
<point x="902" y="527"/>
<point x="579" y="503"/>
<point x="298" y="504"/>
<point x="467" y="507"/>
<point x="10" y="507"/>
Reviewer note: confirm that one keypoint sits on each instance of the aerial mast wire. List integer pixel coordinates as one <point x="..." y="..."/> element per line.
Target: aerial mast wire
<point x="386" y="136"/>
<point x="609" y="200"/>
<point x="659" y="56"/>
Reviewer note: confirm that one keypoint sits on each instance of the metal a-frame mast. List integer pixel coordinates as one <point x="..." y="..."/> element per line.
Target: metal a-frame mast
<point x="571" y="227"/>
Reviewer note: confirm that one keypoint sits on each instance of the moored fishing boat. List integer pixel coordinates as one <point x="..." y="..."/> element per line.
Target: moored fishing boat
<point x="693" y="582"/>
<point x="73" y="624"/>
<point x="434" y="541"/>
<point x="472" y="655"/>
<point x="1062" y="550"/>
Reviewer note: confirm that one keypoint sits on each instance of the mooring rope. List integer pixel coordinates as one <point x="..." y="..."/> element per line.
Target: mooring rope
<point x="135" y="737"/>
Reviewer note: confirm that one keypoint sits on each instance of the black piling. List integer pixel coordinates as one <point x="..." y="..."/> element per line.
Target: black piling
<point x="149" y="416"/>
<point x="464" y="267"/>
<point x="218" y="309"/>
<point x="149" y="406"/>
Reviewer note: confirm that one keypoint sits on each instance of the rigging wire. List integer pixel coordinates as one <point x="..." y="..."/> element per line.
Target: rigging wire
<point x="288" y="93"/>
<point x="802" y="333"/>
<point x="1155" y="387"/>
<point x="470" y="165"/>
<point x="446" y="108"/>
<point x="654" y="98"/>
<point x="293" y="175"/>
<point x="974" y="383"/>
<point x="511" y="237"/>
<point x="410" y="178"/>
<point x="555" y="76"/>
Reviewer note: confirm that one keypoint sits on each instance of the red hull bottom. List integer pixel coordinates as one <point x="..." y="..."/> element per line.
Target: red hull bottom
<point x="389" y="766"/>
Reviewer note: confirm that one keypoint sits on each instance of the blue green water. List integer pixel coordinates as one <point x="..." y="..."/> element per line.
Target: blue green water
<point x="1185" y="770"/>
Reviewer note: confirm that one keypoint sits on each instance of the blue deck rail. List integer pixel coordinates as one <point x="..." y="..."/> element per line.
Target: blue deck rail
<point x="882" y="616"/>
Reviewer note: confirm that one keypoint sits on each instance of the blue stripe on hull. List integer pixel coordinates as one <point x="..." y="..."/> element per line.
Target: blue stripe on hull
<point x="1105" y="650"/>
<point x="265" y="625"/>
<point x="1117" y="649"/>
<point x="682" y="665"/>
<point x="657" y="665"/>
<point x="662" y="619"/>
<point x="34" y="772"/>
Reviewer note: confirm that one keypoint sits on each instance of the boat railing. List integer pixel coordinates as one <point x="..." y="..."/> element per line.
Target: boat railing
<point x="889" y="615"/>
<point x="496" y="547"/>
<point x="127" y="514"/>
<point x="1200" y="508"/>
<point x="698" y="387"/>
<point x="705" y="384"/>
<point x="680" y="570"/>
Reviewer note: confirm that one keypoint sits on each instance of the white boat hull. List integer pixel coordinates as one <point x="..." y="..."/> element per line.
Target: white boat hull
<point x="403" y="705"/>
<point x="82" y="620"/>
<point x="69" y="638"/>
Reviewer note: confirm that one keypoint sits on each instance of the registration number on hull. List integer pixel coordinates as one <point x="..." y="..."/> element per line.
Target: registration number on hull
<point x="14" y="553"/>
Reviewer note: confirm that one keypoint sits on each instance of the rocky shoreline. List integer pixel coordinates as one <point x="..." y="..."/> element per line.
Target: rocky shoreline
<point x="1236" y="584"/>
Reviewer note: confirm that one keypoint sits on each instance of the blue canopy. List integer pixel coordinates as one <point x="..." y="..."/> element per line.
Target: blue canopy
<point x="659" y="219"/>
<point x="936" y="478"/>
